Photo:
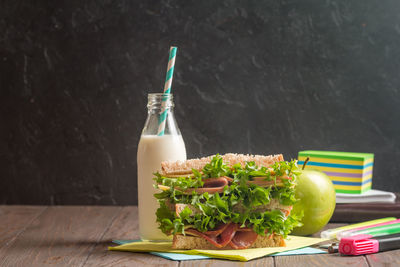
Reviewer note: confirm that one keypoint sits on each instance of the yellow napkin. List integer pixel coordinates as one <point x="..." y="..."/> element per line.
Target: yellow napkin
<point x="292" y="242"/>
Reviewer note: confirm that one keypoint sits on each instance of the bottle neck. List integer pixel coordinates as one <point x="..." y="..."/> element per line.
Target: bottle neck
<point x="160" y="101"/>
<point x="157" y="110"/>
<point x="157" y="105"/>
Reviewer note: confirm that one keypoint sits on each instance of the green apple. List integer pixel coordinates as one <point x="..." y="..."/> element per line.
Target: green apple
<point x="317" y="201"/>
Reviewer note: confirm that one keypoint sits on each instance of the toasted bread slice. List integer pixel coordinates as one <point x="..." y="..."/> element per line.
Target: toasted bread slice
<point x="185" y="167"/>
<point x="194" y="242"/>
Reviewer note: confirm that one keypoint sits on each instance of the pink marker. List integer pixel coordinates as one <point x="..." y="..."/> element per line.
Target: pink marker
<point x="366" y="244"/>
<point x="348" y="233"/>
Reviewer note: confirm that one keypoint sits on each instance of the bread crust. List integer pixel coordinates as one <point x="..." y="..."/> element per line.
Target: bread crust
<point x="195" y="242"/>
<point x="185" y="167"/>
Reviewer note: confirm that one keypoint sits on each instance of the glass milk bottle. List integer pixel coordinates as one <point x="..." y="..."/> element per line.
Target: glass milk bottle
<point x="152" y="150"/>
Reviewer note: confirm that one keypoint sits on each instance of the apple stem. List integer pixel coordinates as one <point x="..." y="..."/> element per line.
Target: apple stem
<point x="305" y="162"/>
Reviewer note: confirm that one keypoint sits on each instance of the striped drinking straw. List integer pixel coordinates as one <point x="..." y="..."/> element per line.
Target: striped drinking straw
<point x="167" y="90"/>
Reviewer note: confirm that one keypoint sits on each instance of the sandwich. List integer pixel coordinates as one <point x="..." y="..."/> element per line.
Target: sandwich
<point x="230" y="201"/>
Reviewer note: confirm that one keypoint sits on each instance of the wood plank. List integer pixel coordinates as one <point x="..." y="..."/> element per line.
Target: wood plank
<point x="387" y="258"/>
<point x="125" y="227"/>
<point x="14" y="220"/>
<point x="62" y="236"/>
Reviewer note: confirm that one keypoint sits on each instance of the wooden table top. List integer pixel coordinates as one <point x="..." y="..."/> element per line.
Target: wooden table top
<point x="80" y="235"/>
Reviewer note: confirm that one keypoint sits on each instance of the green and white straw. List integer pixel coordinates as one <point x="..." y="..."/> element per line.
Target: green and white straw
<point x="167" y="90"/>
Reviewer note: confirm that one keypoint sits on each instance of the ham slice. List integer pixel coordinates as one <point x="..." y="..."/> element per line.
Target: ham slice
<point x="220" y="240"/>
<point x="218" y="230"/>
<point x="243" y="239"/>
<point x="228" y="234"/>
<point x="229" y="179"/>
<point x="211" y="185"/>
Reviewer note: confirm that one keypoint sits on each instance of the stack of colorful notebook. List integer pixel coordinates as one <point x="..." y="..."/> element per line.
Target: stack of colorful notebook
<point x="351" y="173"/>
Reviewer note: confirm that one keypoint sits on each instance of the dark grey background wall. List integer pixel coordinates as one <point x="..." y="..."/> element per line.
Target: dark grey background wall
<point x="251" y="76"/>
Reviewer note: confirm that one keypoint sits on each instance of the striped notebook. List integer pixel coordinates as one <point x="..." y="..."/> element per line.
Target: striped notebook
<point x="350" y="173"/>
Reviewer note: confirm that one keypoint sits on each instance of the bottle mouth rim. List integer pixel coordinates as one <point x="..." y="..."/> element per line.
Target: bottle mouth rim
<point x="160" y="94"/>
<point x="155" y="100"/>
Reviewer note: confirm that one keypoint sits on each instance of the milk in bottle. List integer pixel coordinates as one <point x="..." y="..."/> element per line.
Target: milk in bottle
<point x="152" y="150"/>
